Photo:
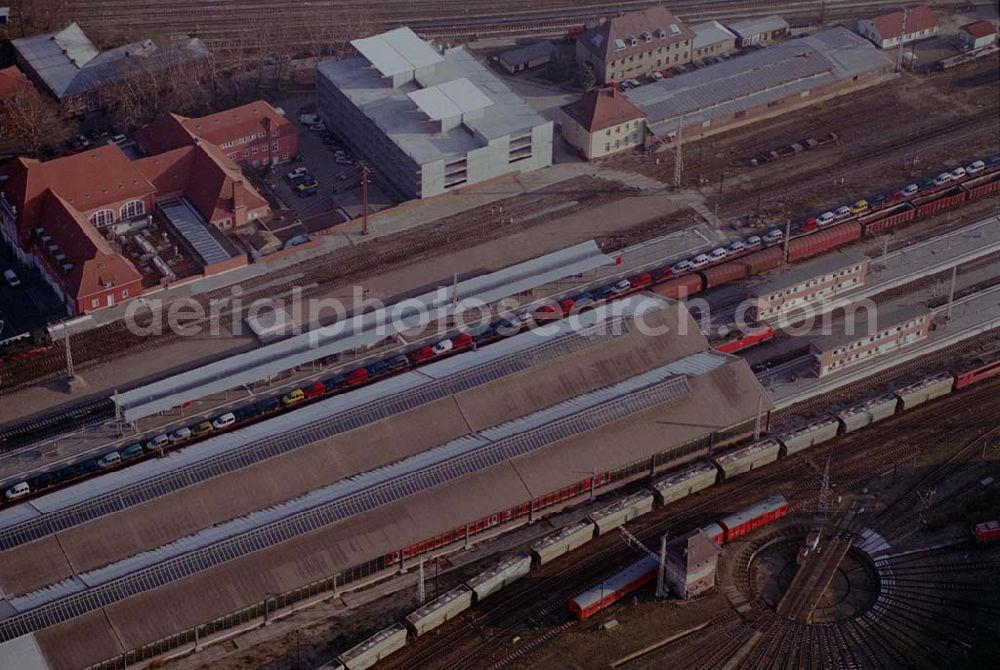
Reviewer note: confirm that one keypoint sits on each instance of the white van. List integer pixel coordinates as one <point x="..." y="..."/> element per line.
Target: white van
<point x="109" y="460"/>
<point x="180" y="434"/>
<point x="224" y="421"/>
<point x="17" y="491"/>
<point x="158" y="442"/>
<point x="11" y="278"/>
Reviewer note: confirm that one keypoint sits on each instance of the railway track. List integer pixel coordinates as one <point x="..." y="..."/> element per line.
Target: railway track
<point x="76" y="418"/>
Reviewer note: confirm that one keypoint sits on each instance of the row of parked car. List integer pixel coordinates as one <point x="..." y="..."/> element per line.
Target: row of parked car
<point x="881" y="200"/>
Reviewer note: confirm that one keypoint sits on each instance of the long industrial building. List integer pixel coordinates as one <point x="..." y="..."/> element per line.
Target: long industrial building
<point x="783" y="77"/>
<point x="428" y="121"/>
<point x="351" y="488"/>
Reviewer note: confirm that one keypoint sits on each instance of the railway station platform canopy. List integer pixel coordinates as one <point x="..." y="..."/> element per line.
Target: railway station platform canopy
<point x="358" y="332"/>
<point x="480" y="450"/>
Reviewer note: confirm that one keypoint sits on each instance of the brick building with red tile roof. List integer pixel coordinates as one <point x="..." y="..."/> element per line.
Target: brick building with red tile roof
<point x="255" y="134"/>
<point x="603" y="122"/>
<point x="885" y="30"/>
<point x="12" y="82"/>
<point x="978" y="34"/>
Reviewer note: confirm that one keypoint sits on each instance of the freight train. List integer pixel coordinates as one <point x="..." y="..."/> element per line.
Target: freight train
<point x="640" y="573"/>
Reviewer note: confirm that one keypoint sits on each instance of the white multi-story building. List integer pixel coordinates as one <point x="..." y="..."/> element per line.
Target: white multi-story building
<point x="428" y="121"/>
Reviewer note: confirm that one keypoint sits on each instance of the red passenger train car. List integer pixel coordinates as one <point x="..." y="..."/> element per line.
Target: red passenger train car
<point x="612" y="590"/>
<point x="746" y="340"/>
<point x="978" y="373"/>
<point x="741" y="523"/>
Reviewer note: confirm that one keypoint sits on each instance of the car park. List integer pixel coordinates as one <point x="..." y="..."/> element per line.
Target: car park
<point x="621" y="287"/>
<point x="11" y="277"/>
<point x="180" y="435"/>
<point x="132" y="451"/>
<point x="158" y="442"/>
<point x="718" y="254"/>
<point x="842" y="212"/>
<point x="736" y="247"/>
<point x="772" y="236"/>
<point x="224" y="421"/>
<point x="293" y="397"/>
<point x="203" y="428"/>
<point x="975" y="167"/>
<point x="683" y="266"/>
<point x="958" y="173"/>
<point x="860" y="207"/>
<point x="700" y="261"/>
<point x="942" y="179"/>
<point x="109" y="460"/>
<point x="357" y="376"/>
<point x="909" y="190"/>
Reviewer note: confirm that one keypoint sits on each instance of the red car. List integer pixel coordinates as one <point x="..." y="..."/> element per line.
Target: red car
<point x="461" y="341"/>
<point x="355" y="377"/>
<point x="421" y="354"/>
<point x="895" y="195"/>
<point x="640" y="280"/>
<point x="659" y="274"/>
<point x="808" y="225"/>
<point x="315" y="390"/>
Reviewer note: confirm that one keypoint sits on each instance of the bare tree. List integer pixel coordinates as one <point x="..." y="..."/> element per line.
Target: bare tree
<point x="30" y="17"/>
<point x="32" y="121"/>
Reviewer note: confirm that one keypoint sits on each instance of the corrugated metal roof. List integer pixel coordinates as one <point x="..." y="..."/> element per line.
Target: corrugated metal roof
<point x="357" y="332"/>
<point x="757" y="78"/>
<point x="194" y="229"/>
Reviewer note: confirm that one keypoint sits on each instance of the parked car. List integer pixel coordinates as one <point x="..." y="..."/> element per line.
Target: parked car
<point x="421" y="354"/>
<point x="334" y="383"/>
<point x="314" y="390"/>
<point x="244" y="413"/>
<point x="307" y="184"/>
<point x="109" y="460"/>
<point x="753" y="242"/>
<point x="958" y="173"/>
<point x="975" y="167"/>
<point x="293" y="397"/>
<point x="943" y="179"/>
<point x="203" y="428"/>
<point x="683" y="266"/>
<point x="700" y="261"/>
<point x="602" y="293"/>
<point x="860" y="207"/>
<point x="718" y="254"/>
<point x="11" y="278"/>
<point x="842" y="212"/>
<point x="443" y="347"/>
<point x="736" y="247"/>
<point x="772" y="236"/>
<point x="339" y="160"/>
<point x="377" y="368"/>
<point x="461" y="341"/>
<point x="807" y="225"/>
<point x="485" y="334"/>
<point x="910" y="190"/>
<point x="268" y="405"/>
<point x="825" y="219"/>
<point x="639" y="280"/>
<point x="298" y="172"/>
<point x="398" y="362"/>
<point x="131" y="452"/>
<point x="357" y="376"/>
<point x="224" y="421"/>
<point x="158" y="442"/>
<point x="659" y="274"/>
<point x="307" y="193"/>
<point x="180" y="435"/>
<point x="877" y="201"/>
<point x="16" y="491"/>
<point x="621" y="287"/>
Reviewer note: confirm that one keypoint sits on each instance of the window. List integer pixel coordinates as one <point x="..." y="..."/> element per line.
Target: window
<point x="102" y="217"/>
<point x="132" y="209"/>
<point x="246" y="153"/>
<point x="275" y="146"/>
<point x="253" y="150"/>
<point x="124" y="293"/>
<point x="95" y="303"/>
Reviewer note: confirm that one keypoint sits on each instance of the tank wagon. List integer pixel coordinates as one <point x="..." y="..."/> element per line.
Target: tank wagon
<point x="505" y="572"/>
<point x="932" y="387"/>
<point x="375" y="648"/>
<point x="746" y="459"/>
<point x="681" y="484"/>
<point x="622" y="511"/>
<point x="557" y="544"/>
<point x="867" y="413"/>
<point x="808" y="436"/>
<point x="439" y="610"/>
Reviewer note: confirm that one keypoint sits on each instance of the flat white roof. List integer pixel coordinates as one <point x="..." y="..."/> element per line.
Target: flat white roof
<point x="450" y="99"/>
<point x="397" y="51"/>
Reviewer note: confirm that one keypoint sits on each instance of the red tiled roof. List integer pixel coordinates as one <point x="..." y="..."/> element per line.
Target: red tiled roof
<point x="165" y="133"/>
<point x="918" y="18"/>
<point x="601" y="40"/>
<point x="241" y="121"/>
<point x="603" y="108"/>
<point x="204" y="174"/>
<point x="980" y="29"/>
<point x="13" y="81"/>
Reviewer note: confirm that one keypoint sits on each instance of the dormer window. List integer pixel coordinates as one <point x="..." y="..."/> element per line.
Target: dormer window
<point x="661" y="33"/>
<point x="647" y="38"/>
<point x="633" y="41"/>
<point x="619" y="45"/>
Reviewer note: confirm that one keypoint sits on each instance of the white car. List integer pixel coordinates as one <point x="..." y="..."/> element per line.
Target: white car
<point x="736" y="247"/>
<point x="180" y="435"/>
<point x="975" y="166"/>
<point x="773" y="235"/>
<point x="522" y="319"/>
<point x="621" y="287"/>
<point x="700" y="261"/>
<point x="17" y="490"/>
<point x="909" y="190"/>
<point x="752" y="242"/>
<point x="634" y="83"/>
<point x="297" y="172"/>
<point x="825" y="219"/>
<point x="718" y="254"/>
<point x="158" y="442"/>
<point x="11" y="278"/>
<point x="224" y="421"/>
<point x="958" y="173"/>
<point x="443" y="347"/>
<point x="110" y="459"/>
<point x="942" y="179"/>
<point x="683" y="266"/>
<point x="841" y="212"/>
<point x="656" y="76"/>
